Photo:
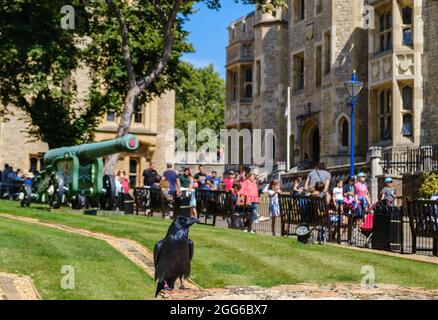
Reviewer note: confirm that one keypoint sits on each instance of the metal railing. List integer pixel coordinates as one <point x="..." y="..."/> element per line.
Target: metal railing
<point x="410" y="160"/>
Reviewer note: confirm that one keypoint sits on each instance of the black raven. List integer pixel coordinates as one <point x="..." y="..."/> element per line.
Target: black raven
<point x="173" y="254"/>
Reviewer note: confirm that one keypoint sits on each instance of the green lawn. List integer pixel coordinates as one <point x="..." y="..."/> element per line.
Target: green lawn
<point x="101" y="272"/>
<point x="227" y="257"/>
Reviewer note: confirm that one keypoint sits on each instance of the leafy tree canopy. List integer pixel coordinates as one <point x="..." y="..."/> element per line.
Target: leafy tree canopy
<point x="201" y="98"/>
<point x="134" y="49"/>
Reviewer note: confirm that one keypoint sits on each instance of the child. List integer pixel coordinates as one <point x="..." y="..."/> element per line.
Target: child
<point x="298" y="186"/>
<point x="363" y="195"/>
<point x="338" y="195"/>
<point x="388" y="193"/>
<point x="274" y="203"/>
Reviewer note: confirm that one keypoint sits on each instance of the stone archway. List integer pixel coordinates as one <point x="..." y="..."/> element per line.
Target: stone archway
<point x="310" y="142"/>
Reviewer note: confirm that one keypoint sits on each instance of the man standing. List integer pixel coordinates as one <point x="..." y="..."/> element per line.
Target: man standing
<point x="215" y="180"/>
<point x="319" y="174"/>
<point x="150" y="175"/>
<point x="170" y="176"/>
<point x="201" y="176"/>
<point x="4" y="180"/>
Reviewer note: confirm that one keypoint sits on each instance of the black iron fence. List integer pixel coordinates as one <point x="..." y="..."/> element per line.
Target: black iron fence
<point x="411" y="229"/>
<point x="410" y="160"/>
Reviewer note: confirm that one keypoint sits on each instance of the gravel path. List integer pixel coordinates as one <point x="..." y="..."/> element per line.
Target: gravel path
<point x="17" y="287"/>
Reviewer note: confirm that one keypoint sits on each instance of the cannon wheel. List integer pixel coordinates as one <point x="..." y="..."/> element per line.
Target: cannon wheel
<point x="55" y="200"/>
<point x="108" y="199"/>
<point x="27" y="193"/>
<point x="78" y="202"/>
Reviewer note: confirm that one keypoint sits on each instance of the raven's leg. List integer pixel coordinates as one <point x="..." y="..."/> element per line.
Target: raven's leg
<point x="181" y="287"/>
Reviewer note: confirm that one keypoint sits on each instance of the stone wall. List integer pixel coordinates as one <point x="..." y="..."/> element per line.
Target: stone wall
<point x="429" y="130"/>
<point x="16" y="146"/>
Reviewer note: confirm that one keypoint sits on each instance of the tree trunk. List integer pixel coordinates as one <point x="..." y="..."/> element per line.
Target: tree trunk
<point x="125" y="123"/>
<point x="135" y="88"/>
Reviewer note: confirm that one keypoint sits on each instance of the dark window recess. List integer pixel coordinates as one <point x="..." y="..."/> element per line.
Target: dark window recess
<point x="407" y="15"/>
<point x="407" y="37"/>
<point x="407" y="98"/>
<point x="111" y="116"/>
<point x="407" y="125"/>
<point x="345" y="137"/>
<point x="248" y="91"/>
<point x="33" y="164"/>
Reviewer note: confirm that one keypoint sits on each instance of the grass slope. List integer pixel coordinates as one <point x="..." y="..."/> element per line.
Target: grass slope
<point x="228" y="257"/>
<point x="101" y="272"/>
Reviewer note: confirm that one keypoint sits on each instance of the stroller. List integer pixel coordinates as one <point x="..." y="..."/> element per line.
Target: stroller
<point x="366" y="229"/>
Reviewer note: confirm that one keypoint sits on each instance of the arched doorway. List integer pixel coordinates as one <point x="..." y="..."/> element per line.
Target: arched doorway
<point x="310" y="142"/>
<point x="315" y="145"/>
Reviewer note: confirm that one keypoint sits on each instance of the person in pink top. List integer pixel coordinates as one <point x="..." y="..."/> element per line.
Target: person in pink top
<point x="251" y="192"/>
<point x="229" y="181"/>
<point x="363" y="195"/>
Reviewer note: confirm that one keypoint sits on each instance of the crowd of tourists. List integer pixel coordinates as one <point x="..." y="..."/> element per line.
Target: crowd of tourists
<point x="350" y="197"/>
<point x="11" y="180"/>
<point x="244" y="187"/>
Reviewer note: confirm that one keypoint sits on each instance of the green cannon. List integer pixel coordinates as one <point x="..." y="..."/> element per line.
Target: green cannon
<point x="76" y="173"/>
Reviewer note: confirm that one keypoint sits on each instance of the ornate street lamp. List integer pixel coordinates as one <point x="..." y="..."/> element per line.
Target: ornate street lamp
<point x="354" y="87"/>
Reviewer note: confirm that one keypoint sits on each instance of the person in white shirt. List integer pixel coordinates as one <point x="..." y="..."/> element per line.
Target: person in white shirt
<point x="338" y="195"/>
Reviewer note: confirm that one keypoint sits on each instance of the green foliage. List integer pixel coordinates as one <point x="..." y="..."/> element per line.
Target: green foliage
<point x="38" y="57"/>
<point x="429" y="186"/>
<point x="146" y="23"/>
<point x="200" y="97"/>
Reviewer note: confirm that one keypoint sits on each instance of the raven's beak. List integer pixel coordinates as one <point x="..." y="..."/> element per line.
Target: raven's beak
<point x="192" y="221"/>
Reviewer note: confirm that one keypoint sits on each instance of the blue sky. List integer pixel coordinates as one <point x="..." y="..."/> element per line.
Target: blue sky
<point x="208" y="33"/>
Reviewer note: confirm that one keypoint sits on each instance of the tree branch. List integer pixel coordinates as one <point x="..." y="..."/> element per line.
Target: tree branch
<point x="126" y="49"/>
<point x="164" y="59"/>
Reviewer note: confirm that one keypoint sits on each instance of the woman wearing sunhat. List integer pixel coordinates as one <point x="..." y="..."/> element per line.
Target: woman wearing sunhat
<point x="363" y="195"/>
<point x="388" y="195"/>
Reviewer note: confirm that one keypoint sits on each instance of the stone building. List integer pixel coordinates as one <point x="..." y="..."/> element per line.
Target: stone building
<point x="313" y="47"/>
<point x="150" y="124"/>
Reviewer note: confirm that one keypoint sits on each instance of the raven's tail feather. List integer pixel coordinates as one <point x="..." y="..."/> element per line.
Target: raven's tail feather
<point x="160" y="286"/>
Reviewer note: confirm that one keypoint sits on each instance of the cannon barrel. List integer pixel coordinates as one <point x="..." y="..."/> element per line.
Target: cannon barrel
<point x="90" y="151"/>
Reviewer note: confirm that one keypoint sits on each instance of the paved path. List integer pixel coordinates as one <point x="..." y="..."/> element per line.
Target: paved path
<point x="133" y="250"/>
<point x="15" y="287"/>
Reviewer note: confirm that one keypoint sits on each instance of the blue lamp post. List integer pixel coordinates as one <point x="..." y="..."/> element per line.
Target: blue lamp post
<point x="354" y="87"/>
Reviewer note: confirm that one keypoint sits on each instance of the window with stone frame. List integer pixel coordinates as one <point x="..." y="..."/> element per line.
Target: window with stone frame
<point x="407" y="129"/>
<point x="408" y="97"/>
<point x="385" y="31"/>
<point x="298" y="70"/>
<point x="385" y="114"/>
<point x="319" y="6"/>
<point x="327" y="53"/>
<point x="138" y="114"/>
<point x="110" y="116"/>
<point x="299" y="10"/>
<point x="34" y="160"/>
<point x="318" y="69"/>
<point x="133" y="172"/>
<point x="248" y="83"/>
<point x="246" y="50"/>
<point x="258" y="77"/>
<point x="343" y="134"/>
<point x="407" y="18"/>
<point x="234" y="86"/>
